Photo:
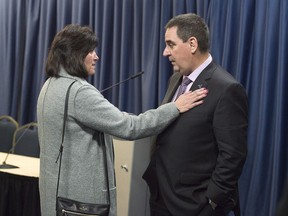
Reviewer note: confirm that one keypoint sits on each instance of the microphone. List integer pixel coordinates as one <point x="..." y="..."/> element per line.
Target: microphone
<point x="9" y="166"/>
<point x="129" y="78"/>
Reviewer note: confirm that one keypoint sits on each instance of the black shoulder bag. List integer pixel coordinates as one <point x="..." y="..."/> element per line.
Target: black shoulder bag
<point x="68" y="207"/>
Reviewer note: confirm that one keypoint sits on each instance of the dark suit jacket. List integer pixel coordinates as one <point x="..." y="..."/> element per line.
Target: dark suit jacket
<point x="282" y="207"/>
<point x="202" y="153"/>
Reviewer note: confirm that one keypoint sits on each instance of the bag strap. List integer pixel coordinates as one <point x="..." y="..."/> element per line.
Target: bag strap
<point x="101" y="140"/>
<point x="63" y="133"/>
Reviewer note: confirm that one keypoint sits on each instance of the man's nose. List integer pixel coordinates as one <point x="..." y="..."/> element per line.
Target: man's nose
<point x="166" y="52"/>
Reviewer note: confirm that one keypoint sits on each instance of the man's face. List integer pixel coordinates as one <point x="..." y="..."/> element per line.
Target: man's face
<point x="178" y="52"/>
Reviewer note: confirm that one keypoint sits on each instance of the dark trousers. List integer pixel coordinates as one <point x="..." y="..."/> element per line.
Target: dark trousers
<point x="158" y="208"/>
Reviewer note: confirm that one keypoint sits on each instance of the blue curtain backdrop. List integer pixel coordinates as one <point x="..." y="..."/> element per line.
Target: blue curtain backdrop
<point x="248" y="38"/>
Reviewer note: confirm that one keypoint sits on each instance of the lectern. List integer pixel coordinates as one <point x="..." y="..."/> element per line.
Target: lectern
<point x="131" y="160"/>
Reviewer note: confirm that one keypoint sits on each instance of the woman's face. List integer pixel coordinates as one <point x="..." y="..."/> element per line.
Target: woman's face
<point x="90" y="62"/>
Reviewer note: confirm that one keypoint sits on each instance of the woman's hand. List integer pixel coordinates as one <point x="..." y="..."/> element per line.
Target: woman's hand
<point x="190" y="99"/>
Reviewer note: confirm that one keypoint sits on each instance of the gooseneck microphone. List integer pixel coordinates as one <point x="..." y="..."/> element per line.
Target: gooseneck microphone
<point x="9" y="166"/>
<point x="129" y="78"/>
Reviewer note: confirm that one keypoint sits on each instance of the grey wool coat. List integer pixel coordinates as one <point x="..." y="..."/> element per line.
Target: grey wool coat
<point x="82" y="172"/>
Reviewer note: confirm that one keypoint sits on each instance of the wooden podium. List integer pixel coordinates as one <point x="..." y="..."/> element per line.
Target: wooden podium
<point x="131" y="160"/>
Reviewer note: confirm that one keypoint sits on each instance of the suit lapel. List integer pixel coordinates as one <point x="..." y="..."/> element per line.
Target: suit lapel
<point x="174" y="83"/>
<point x="203" y="79"/>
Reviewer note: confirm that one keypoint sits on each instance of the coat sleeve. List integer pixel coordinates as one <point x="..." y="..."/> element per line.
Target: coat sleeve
<point x="230" y="125"/>
<point x="95" y="112"/>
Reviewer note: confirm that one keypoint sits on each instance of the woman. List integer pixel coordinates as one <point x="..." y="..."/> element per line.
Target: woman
<point x="72" y="57"/>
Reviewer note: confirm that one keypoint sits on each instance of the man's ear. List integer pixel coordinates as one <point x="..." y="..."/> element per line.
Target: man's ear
<point x="193" y="44"/>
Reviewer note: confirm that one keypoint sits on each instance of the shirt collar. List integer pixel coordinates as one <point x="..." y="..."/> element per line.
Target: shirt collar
<point x="198" y="70"/>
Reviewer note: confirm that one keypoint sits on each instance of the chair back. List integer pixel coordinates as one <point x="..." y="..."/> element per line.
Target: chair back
<point x="8" y="126"/>
<point x="25" y="140"/>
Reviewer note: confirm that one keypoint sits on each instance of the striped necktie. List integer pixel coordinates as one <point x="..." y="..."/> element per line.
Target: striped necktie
<point x="185" y="82"/>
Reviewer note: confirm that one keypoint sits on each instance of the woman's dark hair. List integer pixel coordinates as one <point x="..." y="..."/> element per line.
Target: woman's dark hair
<point x="191" y="25"/>
<point x="69" y="48"/>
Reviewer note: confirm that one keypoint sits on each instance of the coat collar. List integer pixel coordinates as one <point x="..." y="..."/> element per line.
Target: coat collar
<point x="203" y="79"/>
<point x="64" y="73"/>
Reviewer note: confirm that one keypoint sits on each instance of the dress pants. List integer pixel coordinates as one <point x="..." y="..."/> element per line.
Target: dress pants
<point x="158" y="208"/>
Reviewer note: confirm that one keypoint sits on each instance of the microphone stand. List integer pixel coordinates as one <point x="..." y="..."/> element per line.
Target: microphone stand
<point x="129" y="78"/>
<point x="9" y="166"/>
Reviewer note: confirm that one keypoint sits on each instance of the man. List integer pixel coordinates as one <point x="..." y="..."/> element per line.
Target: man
<point x="199" y="158"/>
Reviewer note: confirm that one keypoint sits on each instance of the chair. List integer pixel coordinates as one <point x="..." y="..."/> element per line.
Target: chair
<point x="8" y="125"/>
<point x="25" y="140"/>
